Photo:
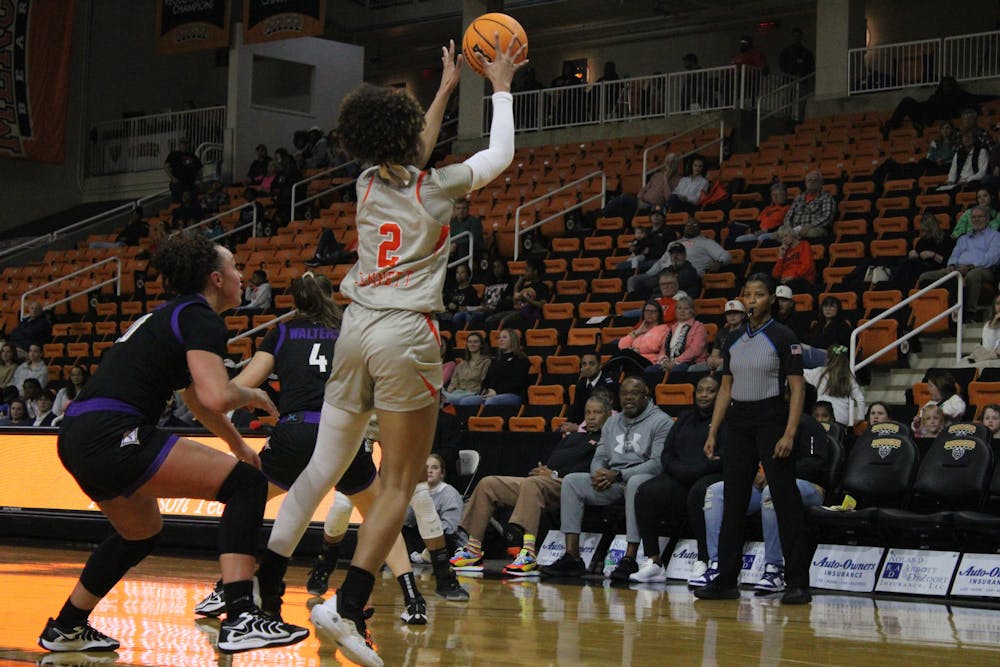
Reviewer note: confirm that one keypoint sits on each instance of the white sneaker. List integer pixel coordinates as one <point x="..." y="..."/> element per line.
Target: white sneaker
<point x="698" y="568"/>
<point x="706" y="577"/>
<point x="332" y="626"/>
<point x="650" y="572"/>
<point x="773" y="580"/>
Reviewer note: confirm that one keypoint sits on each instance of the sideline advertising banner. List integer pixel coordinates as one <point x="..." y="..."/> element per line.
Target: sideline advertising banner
<point x="917" y="572"/>
<point x="843" y="567"/>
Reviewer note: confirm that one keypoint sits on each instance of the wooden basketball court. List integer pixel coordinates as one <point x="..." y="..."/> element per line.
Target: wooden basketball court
<point x="508" y="622"/>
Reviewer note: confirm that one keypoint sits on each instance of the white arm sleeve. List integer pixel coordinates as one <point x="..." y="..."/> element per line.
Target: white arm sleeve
<point x="490" y="163"/>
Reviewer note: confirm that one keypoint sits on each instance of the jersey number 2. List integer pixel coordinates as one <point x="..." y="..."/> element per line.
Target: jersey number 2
<point x="317" y="359"/>
<point x="390" y="243"/>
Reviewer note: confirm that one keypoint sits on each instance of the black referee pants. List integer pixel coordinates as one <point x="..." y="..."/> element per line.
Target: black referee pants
<point x="752" y="429"/>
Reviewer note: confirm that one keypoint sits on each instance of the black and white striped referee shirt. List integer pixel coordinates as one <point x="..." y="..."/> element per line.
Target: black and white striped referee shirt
<point x="760" y="360"/>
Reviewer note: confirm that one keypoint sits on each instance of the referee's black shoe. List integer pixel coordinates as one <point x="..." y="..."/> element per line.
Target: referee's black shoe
<point x="716" y="591"/>
<point x="796" y="595"/>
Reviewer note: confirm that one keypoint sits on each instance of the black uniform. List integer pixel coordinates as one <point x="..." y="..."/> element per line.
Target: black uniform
<point x="759" y="362"/>
<point x="108" y="439"/>
<point x="303" y="353"/>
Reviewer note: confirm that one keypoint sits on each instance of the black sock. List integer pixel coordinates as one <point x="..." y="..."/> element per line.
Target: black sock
<point x="330" y="551"/>
<point x="239" y="597"/>
<point x="271" y="573"/>
<point x="354" y="593"/>
<point x="439" y="561"/>
<point x="71" y="616"/>
<point x="409" y="585"/>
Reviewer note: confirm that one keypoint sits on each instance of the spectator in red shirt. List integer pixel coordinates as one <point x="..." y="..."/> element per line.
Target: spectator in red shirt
<point x="768" y="221"/>
<point x="795" y="266"/>
<point x="749" y="56"/>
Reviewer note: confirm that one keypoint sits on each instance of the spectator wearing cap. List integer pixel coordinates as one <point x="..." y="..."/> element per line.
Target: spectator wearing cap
<point x="974" y="256"/>
<point x="813" y="210"/>
<point x="647" y="245"/>
<point x="796" y="266"/>
<point x="736" y="317"/>
<point x="673" y="260"/>
<point x="687" y="194"/>
<point x="770" y="218"/>
<point x="258" y="168"/>
<point x="703" y="254"/>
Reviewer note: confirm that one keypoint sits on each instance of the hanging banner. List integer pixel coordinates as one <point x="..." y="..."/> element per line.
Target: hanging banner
<point x="35" y="38"/>
<point x="191" y="25"/>
<point x="270" y="20"/>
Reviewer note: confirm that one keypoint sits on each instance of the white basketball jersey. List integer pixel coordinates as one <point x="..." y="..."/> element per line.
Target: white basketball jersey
<point x="403" y="239"/>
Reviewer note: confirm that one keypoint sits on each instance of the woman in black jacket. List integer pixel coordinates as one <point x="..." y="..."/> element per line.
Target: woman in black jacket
<point x="507" y="378"/>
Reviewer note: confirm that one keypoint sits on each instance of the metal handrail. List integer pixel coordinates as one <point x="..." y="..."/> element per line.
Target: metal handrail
<point x="649" y="149"/>
<point x="466" y="259"/>
<point x="77" y="226"/>
<point x="517" y="213"/>
<point x="219" y="215"/>
<point x="86" y="269"/>
<point x="14" y="249"/>
<point x="957" y="308"/>
<point x="325" y="172"/>
<point x="796" y="104"/>
<point x="279" y="318"/>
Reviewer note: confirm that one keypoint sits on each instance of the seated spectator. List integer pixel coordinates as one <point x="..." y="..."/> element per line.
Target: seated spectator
<point x="974" y="256"/>
<point x="507" y="377"/>
<point x="686" y="343"/>
<point x="941" y="151"/>
<point x="8" y="364"/>
<point x="669" y="494"/>
<point x="653" y="196"/>
<point x="823" y="412"/>
<point x="33" y="329"/>
<point x="316" y="154"/>
<point x="835" y="383"/>
<point x="43" y="409"/>
<point x="257" y="293"/>
<point x="692" y="251"/>
<point x="644" y="344"/>
<point x="933" y="247"/>
<point x="31" y="390"/>
<point x="647" y="246"/>
<point x="797" y="321"/>
<point x="78" y="376"/>
<point x="771" y="218"/>
<point x="878" y="413"/>
<point x="330" y="251"/>
<point x="944" y="393"/>
<point x="989" y="349"/>
<point x="591" y="377"/>
<point x="259" y="167"/>
<point x="932" y="420"/>
<point x="135" y="230"/>
<point x="447" y="362"/>
<point x="462" y="222"/>
<point x="983" y="199"/>
<point x="970" y="123"/>
<point x="447" y="503"/>
<point x="497" y="294"/>
<point x="687" y="194"/>
<point x="529" y="496"/>
<point x="991" y="419"/>
<point x="811" y="454"/>
<point x="467" y="379"/>
<point x="796" y="266"/>
<point x="812" y="212"/>
<point x="736" y="317"/>
<point x="669" y="292"/>
<point x="530" y="293"/>
<point x="458" y="298"/>
<point x="18" y="415"/>
<point x="830" y="329"/>
<point x="629" y="454"/>
<point x="970" y="165"/>
<point x="33" y="367"/>
<point x="947" y="100"/>
<point x="217" y="198"/>
<point x="189" y="212"/>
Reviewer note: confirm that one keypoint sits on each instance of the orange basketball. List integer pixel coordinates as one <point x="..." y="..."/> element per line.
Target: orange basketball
<point x="481" y="32"/>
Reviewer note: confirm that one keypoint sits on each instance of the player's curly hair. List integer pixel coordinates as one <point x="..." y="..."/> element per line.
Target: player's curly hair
<point x="313" y="296"/>
<point x="381" y="125"/>
<point x="186" y="262"/>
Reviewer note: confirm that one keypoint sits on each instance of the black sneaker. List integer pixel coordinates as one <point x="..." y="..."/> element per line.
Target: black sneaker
<point x="416" y="612"/>
<point x="796" y="595"/>
<point x="214" y="603"/>
<point x="715" y="591"/>
<point x="319" y="576"/>
<point x="449" y="588"/>
<point x="566" y="566"/>
<point x="626" y="567"/>
<point x="81" y="638"/>
<point x="253" y="629"/>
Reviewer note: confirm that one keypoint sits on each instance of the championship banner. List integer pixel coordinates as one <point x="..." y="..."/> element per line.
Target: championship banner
<point x="191" y="25"/>
<point x="35" y="37"/>
<point x="271" y="20"/>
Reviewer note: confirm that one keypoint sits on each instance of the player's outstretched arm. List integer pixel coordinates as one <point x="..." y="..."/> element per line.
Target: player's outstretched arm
<point x="451" y="74"/>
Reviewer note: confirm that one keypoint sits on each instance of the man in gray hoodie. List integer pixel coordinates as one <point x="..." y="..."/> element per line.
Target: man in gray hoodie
<point x="627" y="456"/>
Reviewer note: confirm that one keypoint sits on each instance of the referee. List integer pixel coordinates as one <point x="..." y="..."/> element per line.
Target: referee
<point x="760" y="425"/>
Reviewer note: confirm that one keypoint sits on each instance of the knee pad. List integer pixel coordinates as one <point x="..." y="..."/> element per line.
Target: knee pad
<point x="112" y="559"/>
<point x="428" y="521"/>
<point x="244" y="493"/>
<point x="338" y="516"/>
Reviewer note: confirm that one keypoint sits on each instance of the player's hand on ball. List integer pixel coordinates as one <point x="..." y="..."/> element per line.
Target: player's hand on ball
<point x="501" y="71"/>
